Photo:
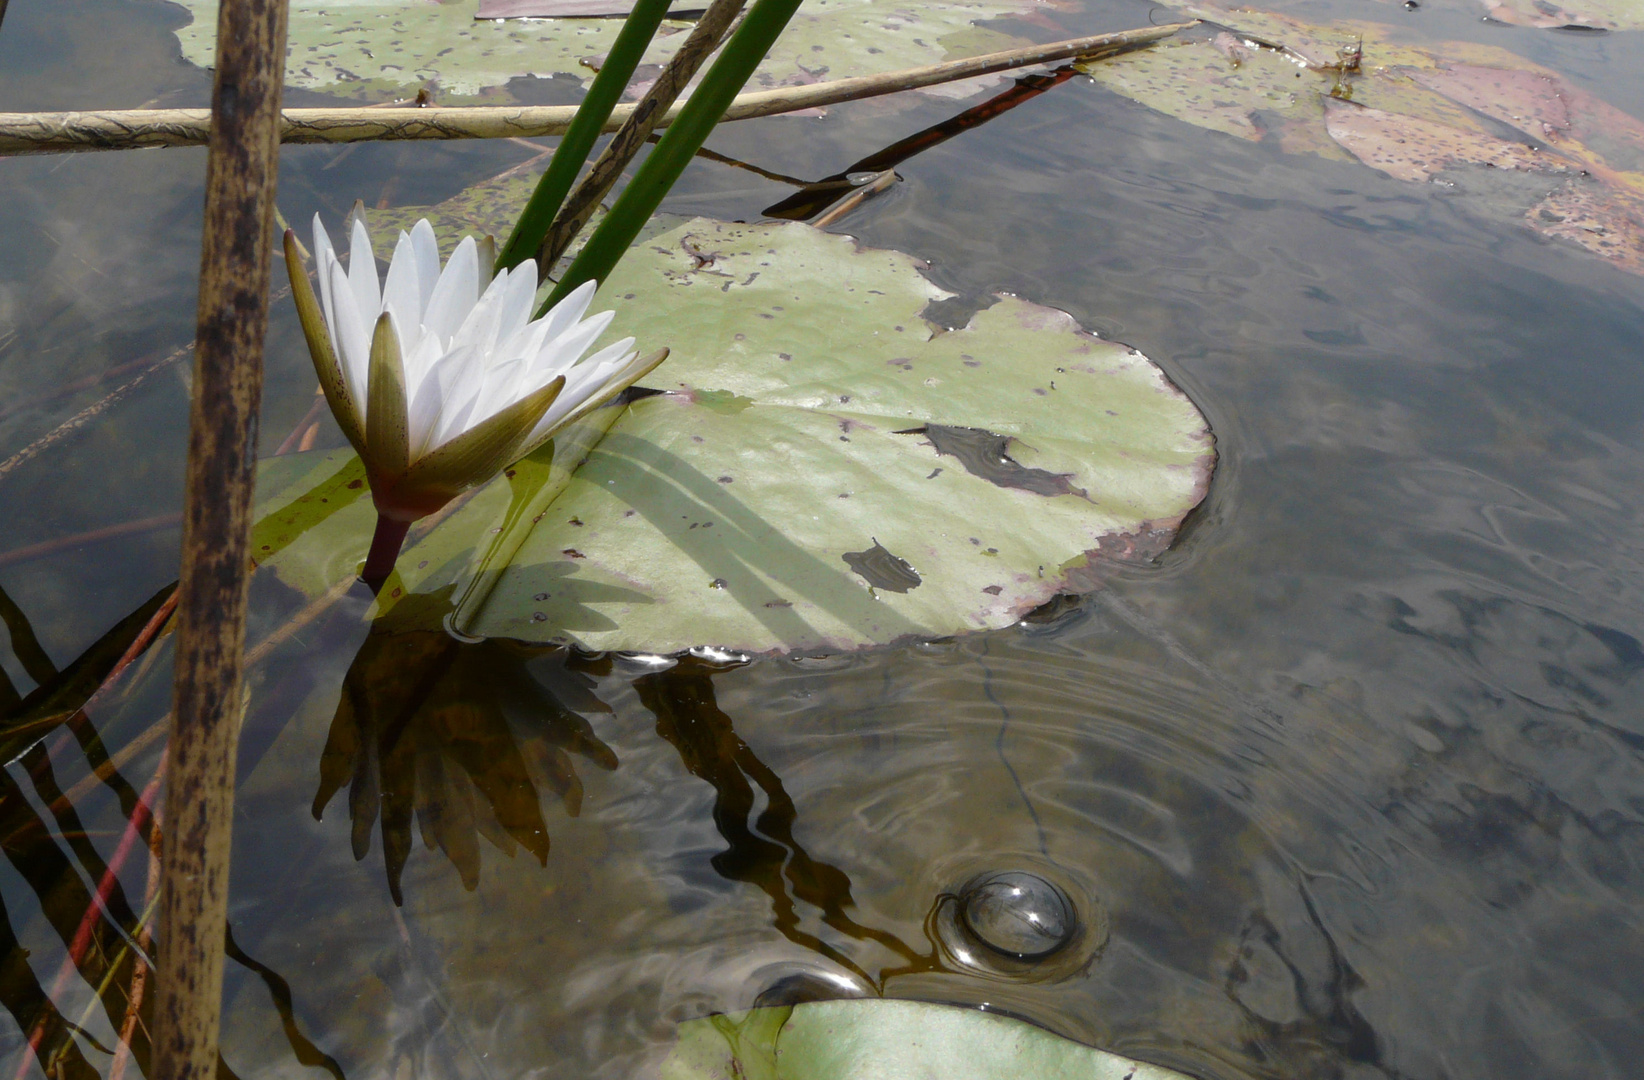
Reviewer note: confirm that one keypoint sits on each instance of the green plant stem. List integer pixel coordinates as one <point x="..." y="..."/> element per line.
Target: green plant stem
<point x="639" y="200"/>
<point x="574" y="148"/>
<point x="711" y="29"/>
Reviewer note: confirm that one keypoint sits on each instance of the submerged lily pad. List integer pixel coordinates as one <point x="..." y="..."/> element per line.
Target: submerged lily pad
<point x="1347" y="91"/>
<point x="381" y="49"/>
<point x="883" y="1039"/>
<point x="1576" y="15"/>
<point x="825" y="470"/>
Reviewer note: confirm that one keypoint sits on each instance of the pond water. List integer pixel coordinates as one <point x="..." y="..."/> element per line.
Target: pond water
<point x="1348" y="783"/>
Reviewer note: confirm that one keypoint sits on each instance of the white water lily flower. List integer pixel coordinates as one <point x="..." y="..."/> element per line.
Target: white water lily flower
<point x="439" y="377"/>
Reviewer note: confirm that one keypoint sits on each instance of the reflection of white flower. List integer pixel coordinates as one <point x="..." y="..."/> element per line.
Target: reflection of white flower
<point x="440" y="377"/>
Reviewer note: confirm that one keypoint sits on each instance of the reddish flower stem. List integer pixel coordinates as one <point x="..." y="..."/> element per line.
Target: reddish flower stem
<point x="385" y="548"/>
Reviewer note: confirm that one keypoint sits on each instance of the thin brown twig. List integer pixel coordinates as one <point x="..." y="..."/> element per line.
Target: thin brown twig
<point x="90" y="412"/>
<point x="83" y="383"/>
<point x="126" y="129"/>
<point x="91" y="536"/>
<point x="312" y="416"/>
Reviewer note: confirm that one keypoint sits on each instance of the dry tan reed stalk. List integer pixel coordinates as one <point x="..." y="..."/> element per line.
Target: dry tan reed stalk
<point x="128" y="129"/>
<point x="235" y="257"/>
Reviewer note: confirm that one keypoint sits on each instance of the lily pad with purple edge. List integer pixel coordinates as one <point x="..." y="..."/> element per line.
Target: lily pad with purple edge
<point x="822" y="470"/>
<point x="1468" y="114"/>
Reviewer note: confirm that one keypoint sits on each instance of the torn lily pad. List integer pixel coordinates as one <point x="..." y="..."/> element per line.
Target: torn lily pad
<point x="884" y="1039"/>
<point x="374" y="50"/>
<point x="1348" y="91"/>
<point x="795" y="431"/>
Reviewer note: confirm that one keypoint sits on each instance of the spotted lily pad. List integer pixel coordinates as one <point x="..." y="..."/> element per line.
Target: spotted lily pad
<point x="824" y="470"/>
<point x="1348" y="91"/>
<point x="882" y="1039"/>
<point x="381" y="49"/>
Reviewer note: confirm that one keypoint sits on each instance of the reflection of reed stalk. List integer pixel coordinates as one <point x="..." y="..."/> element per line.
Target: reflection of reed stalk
<point x="145" y="945"/>
<point x="81" y="942"/>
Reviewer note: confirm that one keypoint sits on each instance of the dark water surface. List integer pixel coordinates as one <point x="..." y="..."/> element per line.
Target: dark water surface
<point x="1349" y="784"/>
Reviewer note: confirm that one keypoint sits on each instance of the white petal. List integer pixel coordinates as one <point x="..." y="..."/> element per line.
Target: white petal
<point x="518" y="300"/>
<point x="401" y="292"/>
<point x="419" y="361"/>
<point x="325" y="258"/>
<point x="362" y="273"/>
<point x="564" y="315"/>
<point x="617" y="353"/>
<point x="480" y="328"/>
<point x="454" y="294"/>
<point x="580" y="386"/>
<point x="354" y="339"/>
<point x="561" y="352"/>
<point x="427" y="252"/>
<point x="499" y="389"/>
<point x="449" y="385"/>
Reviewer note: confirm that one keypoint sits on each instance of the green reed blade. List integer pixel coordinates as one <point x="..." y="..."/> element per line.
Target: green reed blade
<point x="574" y="146"/>
<point x="679" y="144"/>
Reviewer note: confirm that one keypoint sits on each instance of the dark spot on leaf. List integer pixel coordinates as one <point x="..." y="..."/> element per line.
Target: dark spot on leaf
<point x="629" y="513"/>
<point x="576" y="521"/>
<point x="725" y="480"/>
<point x="540" y="596"/>
<point x="396" y="593"/>
<point x="982" y="453"/>
<point x="573" y="553"/>
<point x="1039" y="390"/>
<point x="423" y="565"/>
<point x="779" y="603"/>
<point x="353" y="485"/>
<point x="708" y="525"/>
<point x="879" y="568"/>
<point x="934" y="473"/>
<point x="509" y="473"/>
<point x="994" y="590"/>
<point x="537" y="616"/>
<point x="718" y="583"/>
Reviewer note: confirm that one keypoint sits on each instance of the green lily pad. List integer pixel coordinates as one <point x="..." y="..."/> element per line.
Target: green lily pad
<point x="1348" y="91"/>
<point x="883" y="1039"/>
<point x="826" y="470"/>
<point x="382" y="49"/>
